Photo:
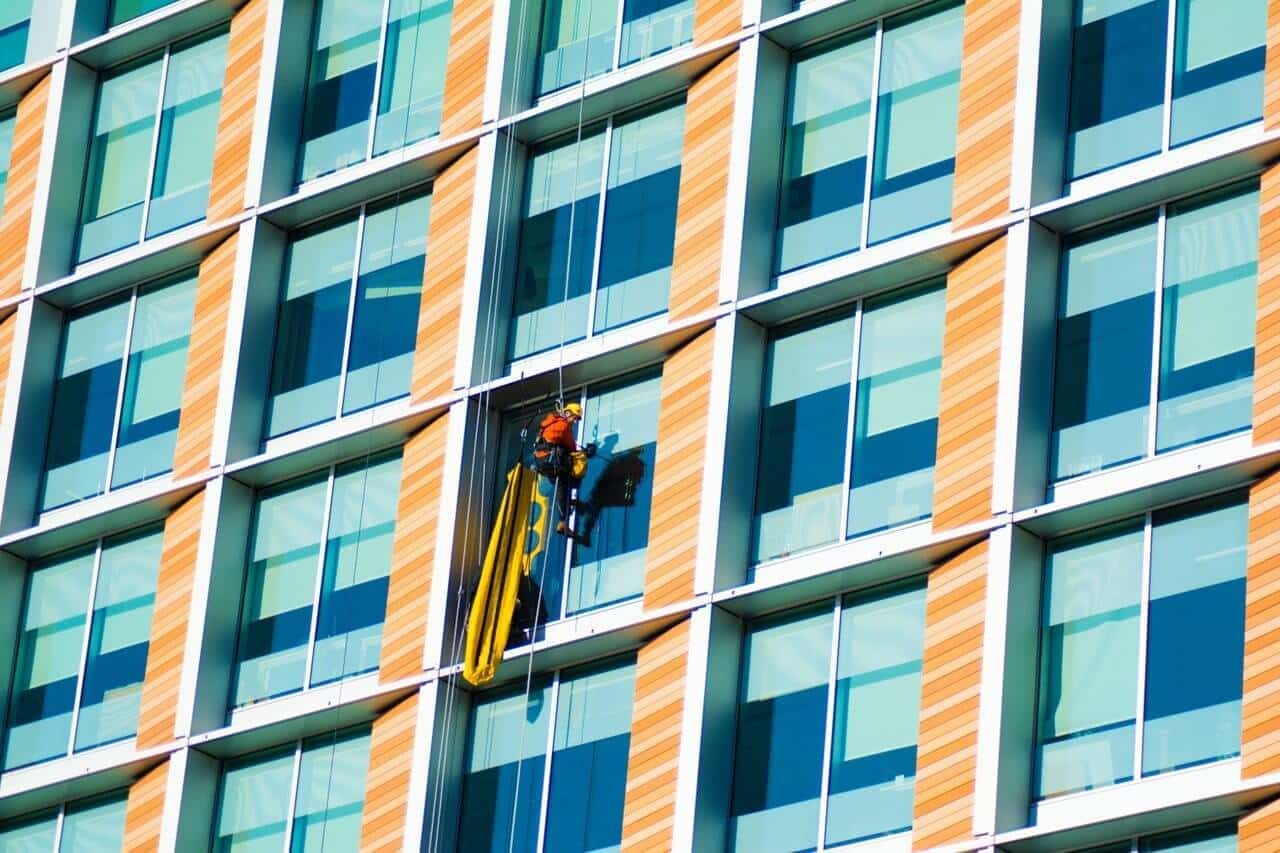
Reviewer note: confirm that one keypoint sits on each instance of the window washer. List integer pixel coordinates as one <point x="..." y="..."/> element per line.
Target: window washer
<point x="557" y="456"/>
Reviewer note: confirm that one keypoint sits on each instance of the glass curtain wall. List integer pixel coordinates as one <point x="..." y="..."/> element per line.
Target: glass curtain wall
<point x="597" y="234"/>
<point x="582" y="39"/>
<point x="348" y="316"/>
<point x="127" y="10"/>
<point x="1142" y="647"/>
<point x="306" y="796"/>
<point x="837" y="462"/>
<point x="376" y="81"/>
<point x="151" y="151"/>
<point x="316" y="586"/>
<point x="118" y="391"/>
<point x="1218" y="838"/>
<point x="82" y="650"/>
<point x="87" y="826"/>
<point x="1150" y="75"/>
<point x="546" y="771"/>
<point x="826" y="754"/>
<point x="1155" y="334"/>
<point x="871" y="136"/>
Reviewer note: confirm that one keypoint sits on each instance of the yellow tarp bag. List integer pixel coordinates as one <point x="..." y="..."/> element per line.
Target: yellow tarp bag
<point x="517" y="538"/>
<point x="578" y="464"/>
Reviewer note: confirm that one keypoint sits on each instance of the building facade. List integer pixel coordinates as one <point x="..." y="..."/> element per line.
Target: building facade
<point x="930" y="349"/>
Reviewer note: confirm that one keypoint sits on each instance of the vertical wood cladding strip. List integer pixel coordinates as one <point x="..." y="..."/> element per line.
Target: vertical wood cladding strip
<point x="988" y="92"/>
<point x="947" y="750"/>
<point x="7" y="327"/>
<point x="231" y="153"/>
<point x="466" y="67"/>
<point x="1271" y="74"/>
<point x="967" y="397"/>
<point x="20" y="192"/>
<point x="157" y="716"/>
<point x="386" y="788"/>
<point x="1266" y="348"/>
<point x="704" y="186"/>
<point x="412" y="552"/>
<point x="715" y="19"/>
<point x="683" y="408"/>
<point x="648" y="814"/>
<point x="1260" y="711"/>
<point x="436" y="349"/>
<point x="144" y="810"/>
<point x="191" y="454"/>
<point x="1259" y="830"/>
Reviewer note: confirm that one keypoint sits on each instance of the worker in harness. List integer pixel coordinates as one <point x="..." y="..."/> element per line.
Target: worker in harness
<point x="558" y="457"/>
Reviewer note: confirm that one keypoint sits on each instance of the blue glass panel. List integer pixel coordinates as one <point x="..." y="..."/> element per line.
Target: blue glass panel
<point x="577" y="41"/>
<point x="413" y="64"/>
<point x="650" y="27"/>
<point x="253" y="803"/>
<point x="1219" y="838"/>
<point x="330" y="799"/>
<point x="29" y="835"/>
<point x="15" y="27"/>
<point x="126" y="10"/>
<point x="1218" y="56"/>
<point x="96" y="826"/>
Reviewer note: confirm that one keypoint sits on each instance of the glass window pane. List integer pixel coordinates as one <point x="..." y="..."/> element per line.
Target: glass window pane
<point x="1210" y="296"/>
<point x="873" y="753"/>
<point x="97" y="827"/>
<point x="916" y="116"/>
<point x="1215" y="839"/>
<point x="1117" y="83"/>
<point x="47" y="669"/>
<point x="119" y="159"/>
<point x="577" y="41"/>
<point x="388" y="292"/>
<point x="344" y="62"/>
<point x="640" y="218"/>
<point x="119" y="636"/>
<point x="895" y="437"/>
<point x="6" y="148"/>
<point x="802" y="437"/>
<point x="825" y="167"/>
<point x="1195" y="636"/>
<point x="326" y="817"/>
<point x="1102" y="386"/>
<point x="253" y="804"/>
<point x="650" y="27"/>
<point x="557" y="246"/>
<point x="782" y="712"/>
<point x="154" y="381"/>
<point x="612" y="519"/>
<point x="32" y="835"/>
<point x="1217" y="66"/>
<point x="589" y="760"/>
<point x="504" y="767"/>
<point x="15" y="27"/>
<point x="412" y="73"/>
<point x="1089" y="662"/>
<point x="357" y="560"/>
<point x="84" y="403"/>
<point x="127" y="10"/>
<point x="311" y="328"/>
<point x="279" y="590"/>
<point x="188" y="130"/>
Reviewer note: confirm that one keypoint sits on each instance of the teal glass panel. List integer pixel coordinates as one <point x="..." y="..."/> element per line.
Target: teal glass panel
<point x="1089" y="662"/>
<point x="127" y="10"/>
<point x="895" y="421"/>
<point x="96" y="827"/>
<point x="1220" y="838"/>
<point x="29" y="835"/>
<point x="1218" y="57"/>
<point x="47" y="669"/>
<point x="1207" y="328"/>
<point x="413" y="63"/>
<point x="153" y="383"/>
<point x="577" y="42"/>
<point x="650" y="27"/>
<point x="802" y="437"/>
<point x="330" y="799"/>
<point x="15" y="30"/>
<point x="188" y="130"/>
<point x="916" y="114"/>
<point x="6" y="149"/>
<point x="877" y="715"/>
<point x="119" y="636"/>
<point x="253" y="803"/>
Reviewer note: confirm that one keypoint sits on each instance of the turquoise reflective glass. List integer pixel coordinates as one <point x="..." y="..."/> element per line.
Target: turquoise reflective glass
<point x="153" y="127"/>
<point x="321" y="538"/>
<point x="103" y="421"/>
<point x="255" y="793"/>
<point x="127" y="10"/>
<point x="30" y="835"/>
<point x="376" y="80"/>
<point x="580" y="38"/>
<point x="91" y="826"/>
<point x="6" y="149"/>
<point x="28" y="30"/>
<point x="1218" y="56"/>
<point x="348" y="316"/>
<point x="65" y="680"/>
<point x="1220" y="838"/>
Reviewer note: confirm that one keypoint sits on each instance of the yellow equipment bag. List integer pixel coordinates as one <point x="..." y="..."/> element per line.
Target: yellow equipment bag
<point x="578" y="464"/>
<point x="517" y="538"/>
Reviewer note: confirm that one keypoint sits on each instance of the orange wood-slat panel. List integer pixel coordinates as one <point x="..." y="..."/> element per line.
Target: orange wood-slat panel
<point x="436" y="350"/>
<point x="466" y="66"/>
<point x="947" y="752"/>
<point x="235" y="116"/>
<point x="1266" y="348"/>
<point x="20" y="191"/>
<point x="714" y="19"/>
<point x="988" y="89"/>
<point x="1260" y="731"/>
<point x="967" y="397"/>
<point x="677" y="473"/>
<point x="386" y="791"/>
<point x="1271" y="85"/>
<point x="412" y="552"/>
<point x="1259" y="830"/>
<point x="657" y="716"/>
<point x="158" y="712"/>
<point x="191" y="453"/>
<point x="7" y="327"/>
<point x="144" y="810"/>
<point x="704" y="187"/>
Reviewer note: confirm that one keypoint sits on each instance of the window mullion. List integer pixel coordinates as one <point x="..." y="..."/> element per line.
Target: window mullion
<point x="828" y="738"/>
<point x="319" y="586"/>
<point x="293" y="797"/>
<point x="597" y="249"/>
<point x="1144" y="597"/>
<point x="1166" y="127"/>
<point x="846" y="479"/>
<point x="84" y="649"/>
<point x="872" y="117"/>
<point x="544" y="801"/>
<point x="125" y="345"/>
<point x="377" y="82"/>
<point x="617" y="37"/>
<point x="351" y="312"/>
<point x="155" y="143"/>
<point x="57" y="827"/>
<point x="1157" y="323"/>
